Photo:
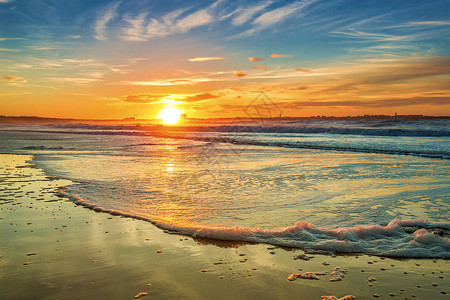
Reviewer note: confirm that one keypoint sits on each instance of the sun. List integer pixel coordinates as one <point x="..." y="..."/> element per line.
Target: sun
<point x="170" y="115"/>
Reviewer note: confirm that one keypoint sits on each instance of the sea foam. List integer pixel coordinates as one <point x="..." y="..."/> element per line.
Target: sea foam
<point x="390" y="241"/>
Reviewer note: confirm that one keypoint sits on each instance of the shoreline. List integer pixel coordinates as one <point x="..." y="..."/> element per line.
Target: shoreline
<point x="76" y="253"/>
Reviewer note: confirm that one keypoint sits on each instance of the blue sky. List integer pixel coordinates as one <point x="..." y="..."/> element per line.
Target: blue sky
<point x="123" y="58"/>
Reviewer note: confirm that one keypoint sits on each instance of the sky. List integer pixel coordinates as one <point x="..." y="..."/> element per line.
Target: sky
<point x="134" y="58"/>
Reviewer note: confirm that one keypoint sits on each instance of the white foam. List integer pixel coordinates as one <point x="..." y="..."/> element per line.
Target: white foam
<point x="390" y="240"/>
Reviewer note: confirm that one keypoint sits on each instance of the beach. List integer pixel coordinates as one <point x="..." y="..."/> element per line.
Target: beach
<point x="224" y="149"/>
<point x="53" y="249"/>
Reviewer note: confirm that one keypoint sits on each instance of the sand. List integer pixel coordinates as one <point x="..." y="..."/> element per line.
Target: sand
<point x="53" y="249"/>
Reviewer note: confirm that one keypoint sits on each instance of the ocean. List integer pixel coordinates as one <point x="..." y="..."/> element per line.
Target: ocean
<point x="369" y="185"/>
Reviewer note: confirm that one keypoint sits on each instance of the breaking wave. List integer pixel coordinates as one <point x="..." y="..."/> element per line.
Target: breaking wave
<point x="415" y="238"/>
<point x="43" y="147"/>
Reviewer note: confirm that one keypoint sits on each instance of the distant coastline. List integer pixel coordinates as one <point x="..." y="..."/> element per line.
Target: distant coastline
<point x="132" y="120"/>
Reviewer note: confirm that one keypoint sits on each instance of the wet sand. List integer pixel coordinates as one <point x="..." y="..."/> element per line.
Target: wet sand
<point x="53" y="249"/>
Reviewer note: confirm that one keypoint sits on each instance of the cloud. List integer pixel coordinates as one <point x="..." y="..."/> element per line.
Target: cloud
<point x="299" y="88"/>
<point x="175" y="81"/>
<point x="39" y="48"/>
<point x="271" y="18"/>
<point x="279" y="14"/>
<point x="199" y="97"/>
<point x="75" y="36"/>
<point x="75" y="80"/>
<point x="9" y="50"/>
<point x="424" y="23"/>
<point x="143" y="29"/>
<point x="5" y="39"/>
<point x="143" y="98"/>
<point x="135" y="30"/>
<point x="108" y="15"/>
<point x="6" y="1"/>
<point x="188" y="80"/>
<point x="199" y="18"/>
<point x="274" y="55"/>
<point x="302" y="70"/>
<point x="260" y="67"/>
<point x="255" y="58"/>
<point x="246" y="14"/>
<point x="159" y="98"/>
<point x="392" y="71"/>
<point x="379" y="37"/>
<point x="206" y="58"/>
<point x="239" y="73"/>
<point x="431" y="23"/>
<point x="13" y="79"/>
<point x="392" y="102"/>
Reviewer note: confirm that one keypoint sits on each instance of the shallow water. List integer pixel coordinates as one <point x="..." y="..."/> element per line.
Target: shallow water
<point x="80" y="254"/>
<point x="207" y="183"/>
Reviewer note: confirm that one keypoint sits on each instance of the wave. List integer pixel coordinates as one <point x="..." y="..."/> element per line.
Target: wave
<point x="335" y="130"/>
<point x="396" y="129"/>
<point x="427" y="240"/>
<point x="355" y="147"/>
<point x="43" y="147"/>
<point x="295" y="136"/>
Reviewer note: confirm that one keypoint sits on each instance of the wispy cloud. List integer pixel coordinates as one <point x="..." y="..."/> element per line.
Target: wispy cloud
<point x="12" y="79"/>
<point x="143" y="98"/>
<point x="363" y="83"/>
<point x="302" y="70"/>
<point x="107" y="15"/>
<point x="8" y="39"/>
<point x="272" y="17"/>
<point x="136" y="28"/>
<point x="433" y="23"/>
<point x="244" y="15"/>
<point x="255" y="58"/>
<point x="279" y="14"/>
<point x="176" y="81"/>
<point x="380" y="37"/>
<point x="142" y="29"/>
<point x="161" y="98"/>
<point x="390" y="102"/>
<point x="199" y="97"/>
<point x="274" y="55"/>
<point x="206" y="58"/>
<point x="386" y="35"/>
<point x="9" y="50"/>
<point x="196" y="19"/>
<point x="403" y="69"/>
<point x="41" y="48"/>
<point x="260" y="67"/>
<point x="75" y="80"/>
<point x="422" y="24"/>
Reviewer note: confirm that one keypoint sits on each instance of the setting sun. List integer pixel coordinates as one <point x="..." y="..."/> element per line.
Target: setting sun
<point x="169" y="115"/>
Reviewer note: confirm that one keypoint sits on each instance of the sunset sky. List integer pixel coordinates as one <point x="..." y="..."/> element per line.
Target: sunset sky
<point x="131" y="58"/>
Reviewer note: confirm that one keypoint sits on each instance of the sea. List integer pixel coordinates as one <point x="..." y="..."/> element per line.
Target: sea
<point x="377" y="186"/>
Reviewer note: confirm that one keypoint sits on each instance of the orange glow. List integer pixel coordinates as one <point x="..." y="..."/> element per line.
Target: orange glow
<point x="170" y="115"/>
